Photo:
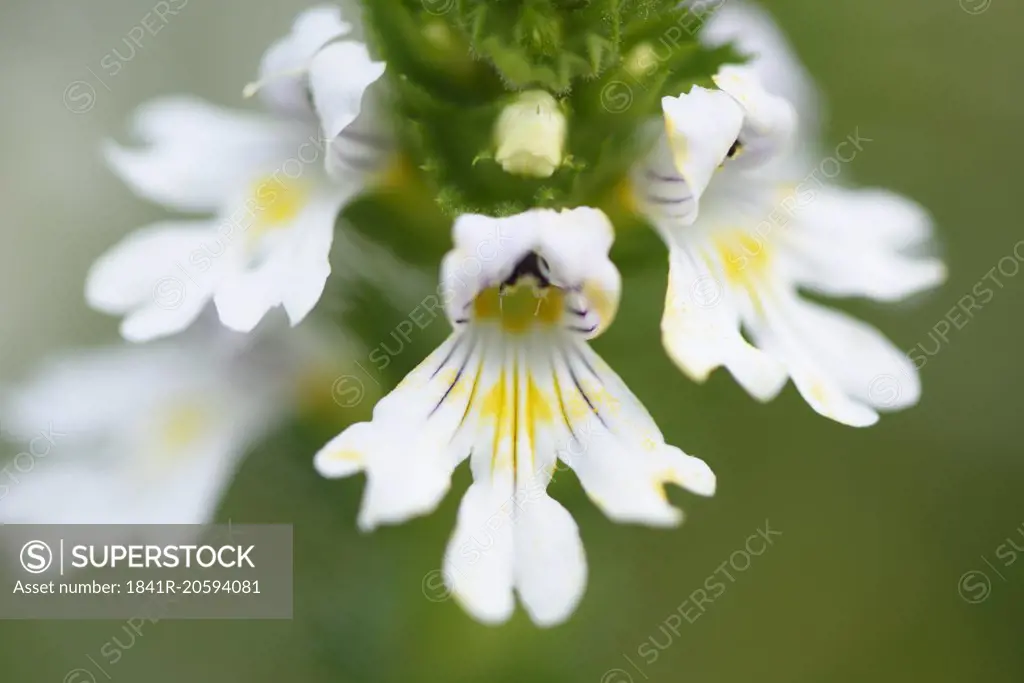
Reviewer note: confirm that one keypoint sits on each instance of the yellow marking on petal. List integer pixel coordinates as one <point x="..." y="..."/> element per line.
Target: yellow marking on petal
<point x="626" y="194"/>
<point x="274" y="204"/>
<point x="605" y="304"/>
<point x="514" y="426"/>
<point x="744" y="256"/>
<point x="577" y="407"/>
<point x="508" y="407"/>
<point x="346" y="455"/>
<point x="666" y="476"/>
<point x="604" y="400"/>
<point x="183" y="424"/>
<point x="786" y="191"/>
<point x="565" y="411"/>
<point x="472" y="393"/>
<point x="677" y="143"/>
<point x="521" y="307"/>
<point x="494" y="399"/>
<point x="540" y="407"/>
<point x="538" y="410"/>
<point x="448" y="378"/>
<point x="495" y="405"/>
<point x="819" y="393"/>
<point x="745" y="261"/>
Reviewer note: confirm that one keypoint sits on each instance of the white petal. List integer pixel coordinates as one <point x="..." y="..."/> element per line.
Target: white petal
<point x="769" y="122"/>
<point x="125" y="480"/>
<point x="754" y="33"/>
<point x="479" y="562"/>
<point x="292" y="272"/>
<point x="311" y="264"/>
<point x="851" y="243"/>
<point x="346" y="454"/>
<point x="246" y="295"/>
<point x="128" y="458"/>
<point x="148" y="277"/>
<point x="844" y="368"/>
<point x="124" y="276"/>
<point x="339" y="77"/>
<point x="701" y="329"/>
<point x="576" y="242"/>
<point x="550" y="565"/>
<point x="282" y="83"/>
<point x="89" y="392"/>
<point x="196" y="155"/>
<point x="410" y="448"/>
<point x="701" y="127"/>
<point x="527" y="542"/>
<point x="510" y="534"/>
<point x="618" y="452"/>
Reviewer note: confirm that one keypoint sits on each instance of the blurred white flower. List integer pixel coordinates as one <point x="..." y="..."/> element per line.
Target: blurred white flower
<point x="149" y="434"/>
<point x="753" y="32"/>
<point x="260" y="176"/>
<point x="730" y="190"/>
<point x="516" y="388"/>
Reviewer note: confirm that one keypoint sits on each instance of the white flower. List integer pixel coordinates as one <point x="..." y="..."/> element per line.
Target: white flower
<point x="732" y="191"/>
<point x="751" y="30"/>
<point x="260" y="177"/>
<point x="344" y="85"/>
<point x="516" y="388"/>
<point x="530" y="135"/>
<point x="144" y="435"/>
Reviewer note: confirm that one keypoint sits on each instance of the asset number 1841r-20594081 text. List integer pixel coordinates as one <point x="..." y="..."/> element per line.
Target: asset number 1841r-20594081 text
<point x="194" y="587"/>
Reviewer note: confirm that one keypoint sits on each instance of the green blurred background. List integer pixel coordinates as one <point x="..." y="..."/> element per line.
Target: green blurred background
<point x="878" y="526"/>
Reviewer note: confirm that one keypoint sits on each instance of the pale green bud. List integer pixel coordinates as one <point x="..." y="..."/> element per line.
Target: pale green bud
<point x="530" y="135"/>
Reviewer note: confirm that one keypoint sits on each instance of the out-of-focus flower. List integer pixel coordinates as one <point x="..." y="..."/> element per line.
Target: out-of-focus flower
<point x="516" y="388"/>
<point x="261" y="177"/>
<point x="726" y="189"/>
<point x="151" y="434"/>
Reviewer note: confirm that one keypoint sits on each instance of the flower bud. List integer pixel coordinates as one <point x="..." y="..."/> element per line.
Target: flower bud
<point x="530" y="135"/>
